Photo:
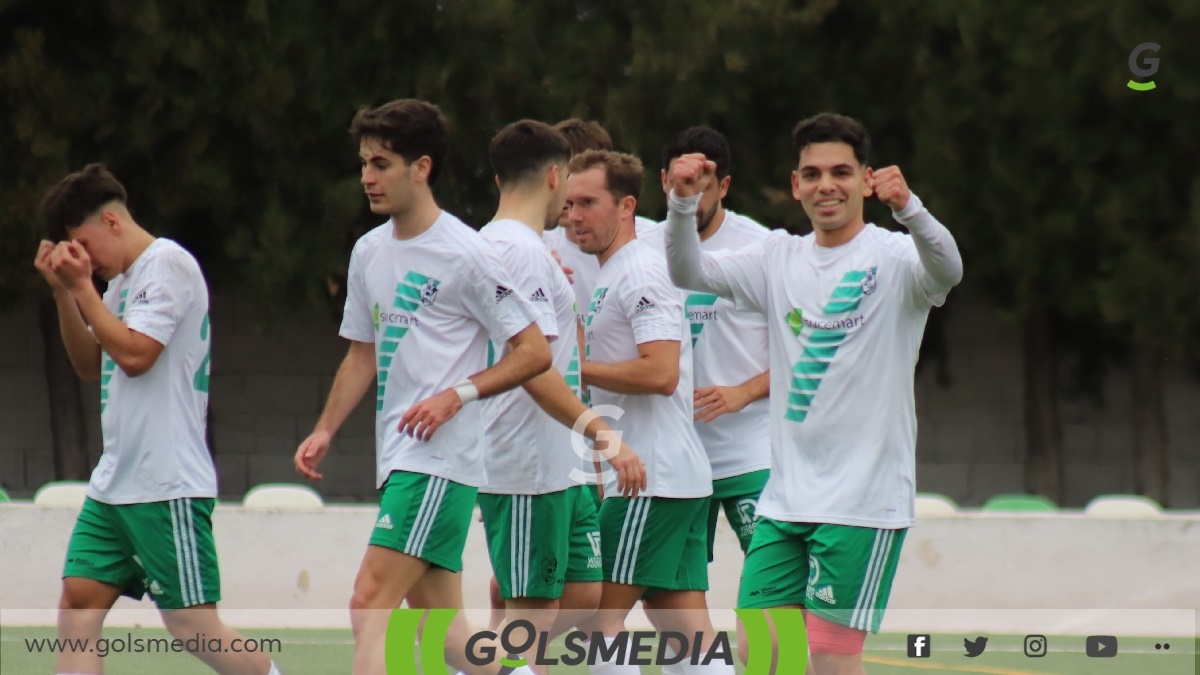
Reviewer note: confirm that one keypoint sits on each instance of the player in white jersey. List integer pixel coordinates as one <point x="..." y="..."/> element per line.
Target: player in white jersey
<point x="729" y="350"/>
<point x="638" y="366"/>
<point x="146" y="525"/>
<point x="425" y="293"/>
<point x="847" y="307"/>
<point x="542" y="525"/>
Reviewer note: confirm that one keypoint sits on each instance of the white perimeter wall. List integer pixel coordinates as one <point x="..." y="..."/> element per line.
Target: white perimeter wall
<point x="982" y="572"/>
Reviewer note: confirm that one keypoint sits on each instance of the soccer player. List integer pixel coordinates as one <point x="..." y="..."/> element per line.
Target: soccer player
<point x="542" y="527"/>
<point x="146" y="525"/>
<point x="638" y="365"/>
<point x="729" y="353"/>
<point x="425" y="292"/>
<point x="561" y="240"/>
<point x="847" y="306"/>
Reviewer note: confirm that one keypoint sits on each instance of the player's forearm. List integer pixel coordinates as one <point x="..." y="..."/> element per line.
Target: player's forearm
<point x="690" y="268"/>
<point x="940" y="258"/>
<point x="527" y="358"/>
<point x="757" y="387"/>
<point x="115" y="338"/>
<point x="354" y="377"/>
<point x="553" y="395"/>
<point x="82" y="350"/>
<point x="635" y="376"/>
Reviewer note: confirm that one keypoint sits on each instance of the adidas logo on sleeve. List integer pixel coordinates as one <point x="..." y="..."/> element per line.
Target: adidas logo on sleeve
<point x="502" y="293"/>
<point x="538" y="296"/>
<point x="643" y="305"/>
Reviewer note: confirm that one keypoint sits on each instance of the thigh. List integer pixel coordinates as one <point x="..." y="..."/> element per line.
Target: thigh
<point x="426" y="517"/>
<point x="98" y="551"/>
<point x="740" y="501"/>
<point x="584" y="562"/>
<point x="528" y="538"/>
<point x="173" y="544"/>
<point x="852" y="572"/>
<point x="654" y="542"/>
<point x="776" y="566"/>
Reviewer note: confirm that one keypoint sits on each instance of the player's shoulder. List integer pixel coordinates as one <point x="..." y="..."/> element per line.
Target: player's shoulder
<point x="168" y="257"/>
<point x="892" y="243"/>
<point x="747" y="228"/>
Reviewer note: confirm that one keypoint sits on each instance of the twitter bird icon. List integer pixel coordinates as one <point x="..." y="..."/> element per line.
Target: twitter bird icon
<point x="975" y="647"/>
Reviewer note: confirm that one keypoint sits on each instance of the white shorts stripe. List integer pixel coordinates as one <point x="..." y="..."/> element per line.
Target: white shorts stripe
<point x="413" y="545"/>
<point x="181" y="567"/>
<point x="435" y="505"/>
<point x="875" y="565"/>
<point x="637" y="542"/>
<point x="890" y="539"/>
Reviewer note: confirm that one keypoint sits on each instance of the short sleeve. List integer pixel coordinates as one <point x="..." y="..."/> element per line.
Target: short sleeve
<point x="653" y="306"/>
<point x="494" y="299"/>
<point x="160" y="297"/>
<point x="527" y="264"/>
<point x="745" y="270"/>
<point x="358" y="324"/>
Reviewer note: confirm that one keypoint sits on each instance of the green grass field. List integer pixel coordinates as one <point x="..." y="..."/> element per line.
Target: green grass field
<point x="327" y="652"/>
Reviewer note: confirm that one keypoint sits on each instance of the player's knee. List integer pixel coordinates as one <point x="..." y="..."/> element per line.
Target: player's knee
<point x="826" y="638"/>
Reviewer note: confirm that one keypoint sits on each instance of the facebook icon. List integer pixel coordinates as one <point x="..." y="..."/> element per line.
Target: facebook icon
<point x="918" y="646"/>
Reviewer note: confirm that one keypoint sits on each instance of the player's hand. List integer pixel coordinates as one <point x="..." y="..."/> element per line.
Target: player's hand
<point x="631" y="471"/>
<point x="311" y="452"/>
<point x="424" y="418"/>
<point x="712" y="402"/>
<point x="72" y="265"/>
<point x="42" y="263"/>
<point x="566" y="270"/>
<point x="690" y="174"/>
<point x="889" y="186"/>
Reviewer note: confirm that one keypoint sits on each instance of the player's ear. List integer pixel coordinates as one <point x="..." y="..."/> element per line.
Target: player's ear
<point x="497" y="179"/>
<point x="553" y="177"/>
<point x="723" y="187"/>
<point x="795" y="185"/>
<point x="662" y="174"/>
<point x="868" y="181"/>
<point x="628" y="205"/>
<point x="422" y="167"/>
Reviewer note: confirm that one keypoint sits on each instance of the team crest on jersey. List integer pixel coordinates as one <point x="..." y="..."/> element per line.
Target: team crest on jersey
<point x="600" y="299"/>
<point x="429" y="292"/>
<point x="868" y="282"/>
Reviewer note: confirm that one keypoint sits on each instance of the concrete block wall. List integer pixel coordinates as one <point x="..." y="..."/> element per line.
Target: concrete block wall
<point x="268" y="389"/>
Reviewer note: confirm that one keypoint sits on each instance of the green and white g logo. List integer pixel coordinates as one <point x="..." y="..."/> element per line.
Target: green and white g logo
<point x="1149" y="69"/>
<point x="401" y="650"/>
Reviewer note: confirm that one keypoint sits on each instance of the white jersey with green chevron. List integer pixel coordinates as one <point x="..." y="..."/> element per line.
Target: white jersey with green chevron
<point x="729" y="346"/>
<point x="526" y="451"/>
<point x="154" y="424"/>
<point x="845" y="326"/>
<point x="429" y="305"/>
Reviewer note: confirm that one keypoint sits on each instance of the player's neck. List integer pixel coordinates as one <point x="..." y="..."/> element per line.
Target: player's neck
<point x="138" y="240"/>
<point x="717" y="221"/>
<point x="625" y="235"/>
<point x="839" y="237"/>
<point x="414" y="221"/>
<point x="527" y="209"/>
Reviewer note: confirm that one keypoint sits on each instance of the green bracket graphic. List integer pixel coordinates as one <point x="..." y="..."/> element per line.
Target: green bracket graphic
<point x="792" y="656"/>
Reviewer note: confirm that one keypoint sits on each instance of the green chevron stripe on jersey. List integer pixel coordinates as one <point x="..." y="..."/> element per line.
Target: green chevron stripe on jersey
<point x="412" y="292"/>
<point x="820" y="346"/>
<point x="107" y="366"/>
<point x="697" y="306"/>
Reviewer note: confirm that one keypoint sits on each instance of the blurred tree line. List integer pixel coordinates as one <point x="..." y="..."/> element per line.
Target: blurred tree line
<point x="1075" y="200"/>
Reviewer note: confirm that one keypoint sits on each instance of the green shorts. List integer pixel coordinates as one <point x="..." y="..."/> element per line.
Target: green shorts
<point x="656" y="542"/>
<point x="848" y="570"/>
<point x="739" y="497"/>
<point x="163" y="548"/>
<point x="539" y="542"/>
<point x="593" y="491"/>
<point x="426" y="517"/>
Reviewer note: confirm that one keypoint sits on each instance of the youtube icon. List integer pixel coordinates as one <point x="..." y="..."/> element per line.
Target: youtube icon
<point x="1101" y="646"/>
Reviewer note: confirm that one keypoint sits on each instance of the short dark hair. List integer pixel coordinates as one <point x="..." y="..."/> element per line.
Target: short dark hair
<point x="77" y="197"/>
<point x="523" y="148"/>
<point x="410" y="128"/>
<point x="584" y="136"/>
<point x="704" y="140"/>
<point x="622" y="172"/>
<point x="832" y="128"/>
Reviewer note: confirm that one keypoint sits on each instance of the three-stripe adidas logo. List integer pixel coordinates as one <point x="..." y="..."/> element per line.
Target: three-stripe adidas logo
<point x="385" y="522"/>
<point x="538" y="296"/>
<point x="643" y="305"/>
<point x="502" y="293"/>
<point x="825" y="594"/>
